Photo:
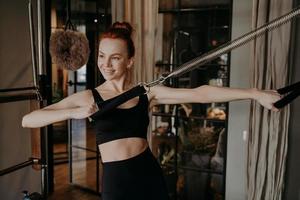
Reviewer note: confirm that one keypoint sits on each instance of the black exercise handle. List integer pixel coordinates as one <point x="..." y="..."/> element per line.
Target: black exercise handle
<point x="294" y="92"/>
<point x="287" y="99"/>
<point x="112" y="103"/>
<point x="289" y="88"/>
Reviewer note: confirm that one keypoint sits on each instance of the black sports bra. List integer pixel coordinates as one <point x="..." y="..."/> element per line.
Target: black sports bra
<point x="122" y="122"/>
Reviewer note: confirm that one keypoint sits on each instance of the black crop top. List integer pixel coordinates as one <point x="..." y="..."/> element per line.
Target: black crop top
<point x="122" y="122"/>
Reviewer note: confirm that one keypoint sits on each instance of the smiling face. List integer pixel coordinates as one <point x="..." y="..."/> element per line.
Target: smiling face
<point x="113" y="61"/>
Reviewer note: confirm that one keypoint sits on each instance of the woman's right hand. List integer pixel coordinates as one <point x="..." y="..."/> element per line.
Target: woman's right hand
<point x="83" y="111"/>
<point x="267" y="98"/>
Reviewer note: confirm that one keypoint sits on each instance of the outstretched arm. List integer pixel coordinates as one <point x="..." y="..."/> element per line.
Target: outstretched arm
<point x="210" y="94"/>
<point x="76" y="106"/>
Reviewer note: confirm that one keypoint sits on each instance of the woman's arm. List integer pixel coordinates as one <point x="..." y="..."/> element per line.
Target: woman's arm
<point x="209" y="94"/>
<point x="76" y="106"/>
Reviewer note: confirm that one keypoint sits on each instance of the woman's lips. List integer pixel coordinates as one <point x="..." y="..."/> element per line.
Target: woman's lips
<point x="108" y="71"/>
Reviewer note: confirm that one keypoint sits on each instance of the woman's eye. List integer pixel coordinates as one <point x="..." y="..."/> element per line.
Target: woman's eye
<point x="116" y="58"/>
<point x="101" y="56"/>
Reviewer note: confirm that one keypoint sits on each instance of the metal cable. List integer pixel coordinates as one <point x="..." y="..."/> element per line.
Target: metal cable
<point x="225" y="48"/>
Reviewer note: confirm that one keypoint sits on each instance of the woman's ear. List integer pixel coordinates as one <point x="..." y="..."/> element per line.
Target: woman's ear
<point x="130" y="63"/>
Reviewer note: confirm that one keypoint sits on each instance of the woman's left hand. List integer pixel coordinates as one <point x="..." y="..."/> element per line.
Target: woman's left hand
<point x="267" y="98"/>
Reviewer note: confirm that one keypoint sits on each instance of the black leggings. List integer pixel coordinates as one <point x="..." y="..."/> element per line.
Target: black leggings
<point x="137" y="178"/>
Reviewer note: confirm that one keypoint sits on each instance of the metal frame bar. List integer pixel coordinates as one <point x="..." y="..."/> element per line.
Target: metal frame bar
<point x="200" y="170"/>
<point x="16" y="167"/>
<point x="17" y="89"/>
<point x="83" y="148"/>
<point x="18" y="97"/>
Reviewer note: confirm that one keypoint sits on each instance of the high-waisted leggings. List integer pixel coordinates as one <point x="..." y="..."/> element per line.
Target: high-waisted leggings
<point x="137" y="178"/>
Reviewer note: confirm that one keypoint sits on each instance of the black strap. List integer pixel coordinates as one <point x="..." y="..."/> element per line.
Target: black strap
<point x="105" y="106"/>
<point x="293" y="92"/>
<point x="289" y="88"/>
<point x="97" y="98"/>
<point x="287" y="99"/>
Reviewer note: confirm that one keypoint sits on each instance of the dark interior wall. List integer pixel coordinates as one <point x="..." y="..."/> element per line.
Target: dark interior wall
<point x="292" y="182"/>
<point x="15" y="71"/>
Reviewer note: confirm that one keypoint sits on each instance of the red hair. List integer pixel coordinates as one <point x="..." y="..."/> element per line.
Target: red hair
<point x="123" y="31"/>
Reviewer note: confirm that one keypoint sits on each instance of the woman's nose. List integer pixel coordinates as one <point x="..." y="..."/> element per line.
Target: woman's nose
<point x="106" y="63"/>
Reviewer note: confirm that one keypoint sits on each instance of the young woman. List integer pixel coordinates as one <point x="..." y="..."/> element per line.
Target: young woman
<point x="129" y="169"/>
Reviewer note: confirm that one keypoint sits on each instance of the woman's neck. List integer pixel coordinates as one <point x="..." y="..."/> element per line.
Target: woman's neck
<point x="118" y="86"/>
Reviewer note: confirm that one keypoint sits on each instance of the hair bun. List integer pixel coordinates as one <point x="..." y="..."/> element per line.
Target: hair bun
<point x="123" y="25"/>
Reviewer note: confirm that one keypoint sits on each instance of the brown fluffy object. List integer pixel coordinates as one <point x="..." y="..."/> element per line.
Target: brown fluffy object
<point x="69" y="49"/>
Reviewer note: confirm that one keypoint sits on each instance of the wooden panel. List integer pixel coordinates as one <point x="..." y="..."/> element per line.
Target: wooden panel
<point x="35" y="137"/>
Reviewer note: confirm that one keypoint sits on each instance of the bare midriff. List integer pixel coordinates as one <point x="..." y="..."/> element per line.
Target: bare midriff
<point x="122" y="149"/>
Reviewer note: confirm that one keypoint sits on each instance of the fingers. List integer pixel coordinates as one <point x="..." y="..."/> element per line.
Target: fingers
<point x="274" y="92"/>
<point x="268" y="98"/>
<point x="93" y="108"/>
<point x="275" y="96"/>
<point x="275" y="109"/>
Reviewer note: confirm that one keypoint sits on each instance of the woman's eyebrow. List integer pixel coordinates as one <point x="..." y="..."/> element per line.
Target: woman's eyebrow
<point x="114" y="54"/>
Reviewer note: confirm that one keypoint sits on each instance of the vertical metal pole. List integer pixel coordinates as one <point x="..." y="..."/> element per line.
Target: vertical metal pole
<point x="43" y="181"/>
<point x="75" y="81"/>
<point x="175" y="83"/>
<point x="176" y="123"/>
<point x="44" y="141"/>
<point x="32" y="43"/>
<point x="97" y="170"/>
<point x="70" y="150"/>
<point x="44" y="174"/>
<point x="43" y="19"/>
<point x="40" y="37"/>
